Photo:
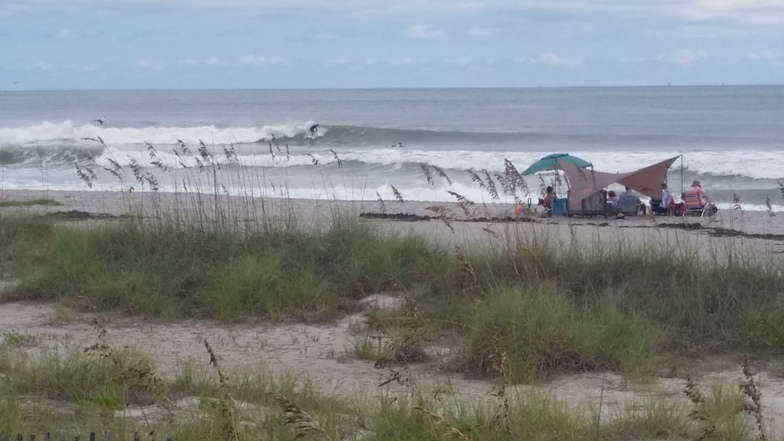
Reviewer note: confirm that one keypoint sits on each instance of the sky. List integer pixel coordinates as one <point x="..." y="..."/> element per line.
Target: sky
<point x="238" y="44"/>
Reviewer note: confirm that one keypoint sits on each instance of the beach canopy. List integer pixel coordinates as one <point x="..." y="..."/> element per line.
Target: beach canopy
<point x="647" y="180"/>
<point x="555" y="162"/>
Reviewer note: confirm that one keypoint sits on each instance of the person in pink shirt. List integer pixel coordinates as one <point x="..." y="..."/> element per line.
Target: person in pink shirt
<point x="697" y="188"/>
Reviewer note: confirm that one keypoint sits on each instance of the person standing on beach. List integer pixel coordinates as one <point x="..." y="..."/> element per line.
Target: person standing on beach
<point x="666" y="197"/>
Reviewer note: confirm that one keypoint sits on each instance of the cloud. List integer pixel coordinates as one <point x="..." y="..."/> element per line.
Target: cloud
<point x="149" y="64"/>
<point x="483" y="32"/>
<point x="761" y="55"/>
<point x="551" y="59"/>
<point x="420" y="31"/>
<point x="688" y="56"/>
<point x="264" y="61"/>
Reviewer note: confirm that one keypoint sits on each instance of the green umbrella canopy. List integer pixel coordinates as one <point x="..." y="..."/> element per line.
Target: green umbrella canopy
<point x="550" y="162"/>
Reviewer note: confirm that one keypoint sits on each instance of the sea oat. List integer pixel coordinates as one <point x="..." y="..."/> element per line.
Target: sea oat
<point x="466" y="267"/>
<point x="398" y="196"/>
<point x="462" y="202"/>
<point x="752" y="397"/>
<point x="491" y="233"/>
<point x="514" y="176"/>
<point x="428" y="175"/>
<point x="438" y="421"/>
<point x="227" y="403"/>
<point x="500" y="363"/>
<point x="444" y="214"/>
<point x="491" y="186"/>
<point x="769" y="207"/>
<point x="160" y="165"/>
<point x="84" y="176"/>
<point x="304" y="425"/>
<point x="699" y="412"/>
<point x="113" y="172"/>
<point x="381" y="203"/>
<point x="151" y="150"/>
<point x="441" y="173"/>
<point x="475" y="177"/>
<point x="313" y="159"/>
<point x="337" y="158"/>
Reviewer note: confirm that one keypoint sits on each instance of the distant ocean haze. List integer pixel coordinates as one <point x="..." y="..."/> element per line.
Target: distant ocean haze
<point x="731" y="138"/>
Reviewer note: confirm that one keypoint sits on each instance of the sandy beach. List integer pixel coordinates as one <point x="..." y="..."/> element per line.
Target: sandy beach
<point x="756" y="234"/>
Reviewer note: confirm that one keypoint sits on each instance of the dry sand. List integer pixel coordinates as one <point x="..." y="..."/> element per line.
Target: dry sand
<point x="318" y="352"/>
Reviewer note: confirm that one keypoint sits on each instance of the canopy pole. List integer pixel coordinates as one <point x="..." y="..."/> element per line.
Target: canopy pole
<point x="682" y="186"/>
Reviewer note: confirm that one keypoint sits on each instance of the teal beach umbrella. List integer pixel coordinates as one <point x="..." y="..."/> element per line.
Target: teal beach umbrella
<point x="550" y="162"/>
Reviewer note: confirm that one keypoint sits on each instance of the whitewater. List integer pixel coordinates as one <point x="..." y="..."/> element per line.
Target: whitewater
<point x="367" y="142"/>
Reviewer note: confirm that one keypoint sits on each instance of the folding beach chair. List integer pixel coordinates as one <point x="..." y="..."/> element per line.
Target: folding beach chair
<point x="627" y="204"/>
<point x="694" y="207"/>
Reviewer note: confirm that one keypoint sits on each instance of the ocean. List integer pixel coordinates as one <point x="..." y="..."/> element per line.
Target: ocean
<point x="367" y="141"/>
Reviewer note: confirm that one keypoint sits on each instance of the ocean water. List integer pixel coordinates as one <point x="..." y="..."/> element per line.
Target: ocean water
<point x="731" y="138"/>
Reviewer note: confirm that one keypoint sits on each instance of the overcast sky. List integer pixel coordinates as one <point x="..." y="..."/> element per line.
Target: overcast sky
<point x="196" y="44"/>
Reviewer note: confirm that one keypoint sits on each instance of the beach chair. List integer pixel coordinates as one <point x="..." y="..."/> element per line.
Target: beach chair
<point x="627" y="204"/>
<point x="693" y="206"/>
<point x="594" y="205"/>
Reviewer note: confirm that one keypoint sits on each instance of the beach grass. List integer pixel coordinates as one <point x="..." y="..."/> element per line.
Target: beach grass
<point x="550" y="310"/>
<point x="76" y="392"/>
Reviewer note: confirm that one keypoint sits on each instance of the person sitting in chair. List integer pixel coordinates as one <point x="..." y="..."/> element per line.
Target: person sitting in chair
<point x="696" y="187"/>
<point x="547" y="201"/>
<point x="629" y="193"/>
<point x="612" y="202"/>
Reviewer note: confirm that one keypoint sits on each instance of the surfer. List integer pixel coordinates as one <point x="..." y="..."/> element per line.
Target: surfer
<point x="314" y="129"/>
<point x="398" y="145"/>
<point x="101" y="120"/>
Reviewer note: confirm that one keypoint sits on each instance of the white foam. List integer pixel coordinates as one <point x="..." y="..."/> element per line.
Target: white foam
<point x="47" y="132"/>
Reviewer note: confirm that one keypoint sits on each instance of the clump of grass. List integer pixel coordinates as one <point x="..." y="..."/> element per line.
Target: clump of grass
<point x="141" y="384"/>
<point x="405" y="342"/>
<point x="544" y="334"/>
<point x="186" y="272"/>
<point x="46" y="202"/>
<point x="17" y="340"/>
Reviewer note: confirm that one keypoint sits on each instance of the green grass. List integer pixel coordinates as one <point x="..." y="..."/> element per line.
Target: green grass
<point x="552" y="311"/>
<point x="78" y="393"/>
<point x="31" y="202"/>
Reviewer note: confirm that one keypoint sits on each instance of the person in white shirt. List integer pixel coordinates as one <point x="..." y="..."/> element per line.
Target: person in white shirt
<point x="666" y="197"/>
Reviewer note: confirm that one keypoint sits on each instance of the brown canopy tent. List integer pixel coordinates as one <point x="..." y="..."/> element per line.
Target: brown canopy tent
<point x="583" y="182"/>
